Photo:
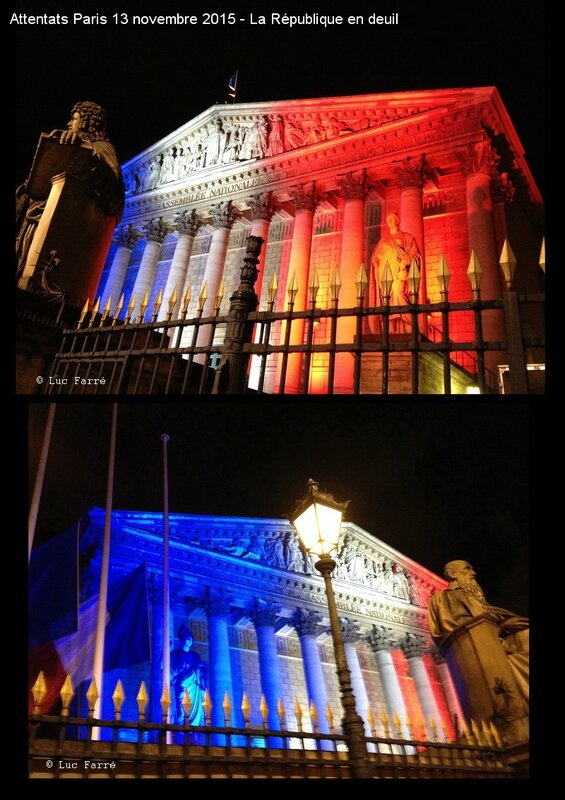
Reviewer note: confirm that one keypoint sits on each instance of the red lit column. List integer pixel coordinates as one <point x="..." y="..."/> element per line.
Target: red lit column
<point x="448" y="689"/>
<point x="223" y="217"/>
<point x="125" y="238"/>
<point x="381" y="641"/>
<point x="353" y="188"/>
<point x="478" y="162"/>
<point x="155" y="231"/>
<point x="411" y="178"/>
<point x="413" y="648"/>
<point x="305" y="201"/>
<point x="187" y="223"/>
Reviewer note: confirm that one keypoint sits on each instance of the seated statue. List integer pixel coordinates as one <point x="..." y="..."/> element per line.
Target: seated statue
<point x="462" y="603"/>
<point x="188" y="674"/>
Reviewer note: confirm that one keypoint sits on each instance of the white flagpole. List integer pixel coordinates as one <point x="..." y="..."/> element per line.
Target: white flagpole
<point x="98" y="670"/>
<point x="166" y="599"/>
<point x="38" y="487"/>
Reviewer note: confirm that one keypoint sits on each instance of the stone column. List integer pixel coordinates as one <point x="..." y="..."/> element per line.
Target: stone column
<point x="305" y="201"/>
<point x="187" y="223"/>
<point x="125" y="238"/>
<point x="453" y="703"/>
<point x="217" y="607"/>
<point x="478" y="162"/>
<point x="307" y="625"/>
<point x="264" y="615"/>
<point x="223" y="217"/>
<point x="381" y="642"/>
<point x="351" y="635"/>
<point x="353" y="188"/>
<point x="413" y="648"/>
<point x="263" y="206"/>
<point x="155" y="232"/>
<point x="411" y="178"/>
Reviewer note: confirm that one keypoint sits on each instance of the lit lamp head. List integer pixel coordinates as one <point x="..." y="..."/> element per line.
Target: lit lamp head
<point x="317" y="520"/>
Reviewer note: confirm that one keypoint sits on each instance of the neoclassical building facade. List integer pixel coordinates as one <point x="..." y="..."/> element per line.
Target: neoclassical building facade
<point x="316" y="179"/>
<point x="257" y="610"/>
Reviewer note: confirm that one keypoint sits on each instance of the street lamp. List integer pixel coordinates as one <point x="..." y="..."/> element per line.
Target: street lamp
<point x="317" y="520"/>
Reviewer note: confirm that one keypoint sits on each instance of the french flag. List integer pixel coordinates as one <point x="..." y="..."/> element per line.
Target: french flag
<point x="62" y="634"/>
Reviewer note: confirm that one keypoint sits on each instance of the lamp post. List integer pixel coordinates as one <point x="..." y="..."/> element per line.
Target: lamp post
<point x="317" y="520"/>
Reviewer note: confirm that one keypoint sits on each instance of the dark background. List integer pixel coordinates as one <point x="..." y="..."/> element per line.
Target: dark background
<point x="154" y="79"/>
<point x="436" y="480"/>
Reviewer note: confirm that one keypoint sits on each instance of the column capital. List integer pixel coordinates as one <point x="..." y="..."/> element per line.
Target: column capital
<point x="350" y="630"/>
<point x="156" y="229"/>
<point x="412" y="645"/>
<point x="126" y="236"/>
<point x="353" y="185"/>
<point x="414" y="172"/>
<point x="187" y="222"/>
<point x="263" y="206"/>
<point x="263" y="612"/>
<point x="223" y="214"/>
<point x="216" y="603"/>
<point x="478" y="157"/>
<point x="306" y="623"/>
<point x="305" y="197"/>
<point x="502" y="188"/>
<point x="380" y="638"/>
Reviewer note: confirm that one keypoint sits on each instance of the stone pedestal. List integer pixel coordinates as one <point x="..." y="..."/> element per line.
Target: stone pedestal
<point x="484" y="679"/>
<point x="74" y="226"/>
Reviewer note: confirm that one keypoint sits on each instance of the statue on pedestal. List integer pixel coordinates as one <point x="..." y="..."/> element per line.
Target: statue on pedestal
<point x="188" y="674"/>
<point x="397" y="250"/>
<point x="486" y="648"/>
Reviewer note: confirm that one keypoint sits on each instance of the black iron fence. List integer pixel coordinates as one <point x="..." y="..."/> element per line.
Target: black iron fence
<point x="71" y="747"/>
<point x="213" y="354"/>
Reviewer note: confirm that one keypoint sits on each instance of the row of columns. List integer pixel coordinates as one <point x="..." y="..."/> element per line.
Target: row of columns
<point x="265" y="615"/>
<point x="478" y="164"/>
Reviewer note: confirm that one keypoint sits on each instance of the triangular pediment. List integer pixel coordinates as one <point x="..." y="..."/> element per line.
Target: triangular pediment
<point x="245" y="133"/>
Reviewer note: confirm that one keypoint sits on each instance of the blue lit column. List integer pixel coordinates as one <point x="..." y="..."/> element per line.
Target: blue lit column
<point x="351" y="635"/>
<point x="125" y="238"/>
<point x="264" y="615"/>
<point x="307" y="624"/>
<point x="217" y="607"/>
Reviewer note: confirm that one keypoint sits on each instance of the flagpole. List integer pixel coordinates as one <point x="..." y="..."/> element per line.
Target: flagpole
<point x="39" y="478"/>
<point x="98" y="670"/>
<point x="166" y="598"/>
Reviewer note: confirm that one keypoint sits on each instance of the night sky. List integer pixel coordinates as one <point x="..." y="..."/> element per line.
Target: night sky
<point x="436" y="480"/>
<point x="153" y="79"/>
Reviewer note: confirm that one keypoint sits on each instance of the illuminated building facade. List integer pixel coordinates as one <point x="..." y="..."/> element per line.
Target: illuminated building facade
<point x="258" y="612"/>
<point x="316" y="179"/>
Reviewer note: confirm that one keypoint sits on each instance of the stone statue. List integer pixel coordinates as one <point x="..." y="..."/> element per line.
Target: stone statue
<point x="274" y="548"/>
<point x="276" y="135"/>
<point x="86" y="129"/>
<point x="460" y="613"/>
<point x="167" y="172"/>
<point x="188" y="674"/>
<point x="353" y="562"/>
<point x="263" y="136"/>
<point x="397" y="249"/>
<point x="216" y="141"/>
<point x="293" y="135"/>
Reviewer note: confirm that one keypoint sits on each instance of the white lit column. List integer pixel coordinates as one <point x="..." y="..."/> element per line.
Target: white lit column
<point x="155" y="231"/>
<point x="223" y="217"/>
<point x="262" y="206"/>
<point x="305" y="201"/>
<point x="413" y="648"/>
<point x="125" y="238"/>
<point x="187" y="224"/>
<point x="351" y="635"/>
<point x="478" y="162"/>
<point x="381" y="641"/>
